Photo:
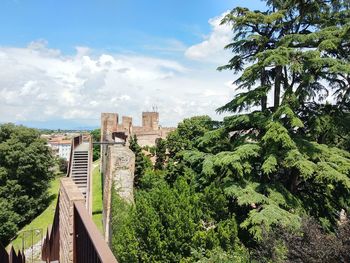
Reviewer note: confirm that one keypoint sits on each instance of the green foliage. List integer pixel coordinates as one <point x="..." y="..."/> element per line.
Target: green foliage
<point x="142" y="162"/>
<point x="219" y="255"/>
<point x="25" y="173"/>
<point x="124" y="239"/>
<point x="289" y="49"/>
<point x="96" y="137"/>
<point x="62" y="165"/>
<point x="170" y="223"/>
<point x="9" y="221"/>
<point x="269" y="215"/>
<point x="227" y="185"/>
<point x="187" y="132"/>
<point x="42" y="221"/>
<point x="310" y="244"/>
<point x="160" y="151"/>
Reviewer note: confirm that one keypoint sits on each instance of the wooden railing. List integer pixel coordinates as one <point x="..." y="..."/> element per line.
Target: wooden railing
<point x="11" y="257"/>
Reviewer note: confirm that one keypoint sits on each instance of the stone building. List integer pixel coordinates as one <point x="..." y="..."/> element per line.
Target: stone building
<point x="146" y="134"/>
<point x="60" y="147"/>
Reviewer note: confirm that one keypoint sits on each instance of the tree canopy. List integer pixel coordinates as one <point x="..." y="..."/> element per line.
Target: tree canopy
<point x="281" y="157"/>
<point x="25" y="162"/>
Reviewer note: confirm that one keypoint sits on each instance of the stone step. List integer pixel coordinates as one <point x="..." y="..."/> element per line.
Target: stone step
<point x="80" y="172"/>
<point x="81" y="181"/>
<point x="80" y="169"/>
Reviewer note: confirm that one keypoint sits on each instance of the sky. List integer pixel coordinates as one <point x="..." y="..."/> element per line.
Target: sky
<point x="64" y="62"/>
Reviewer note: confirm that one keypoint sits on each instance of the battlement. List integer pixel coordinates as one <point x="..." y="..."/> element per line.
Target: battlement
<point x="146" y="134"/>
<point x="150" y="120"/>
<point x="109" y="124"/>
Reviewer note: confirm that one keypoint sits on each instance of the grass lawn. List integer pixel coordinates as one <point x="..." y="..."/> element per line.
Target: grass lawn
<point x="97" y="196"/>
<point x="46" y="217"/>
<point x="40" y="222"/>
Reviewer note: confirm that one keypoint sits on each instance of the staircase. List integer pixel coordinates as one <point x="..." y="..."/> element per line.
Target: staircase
<point x="80" y="167"/>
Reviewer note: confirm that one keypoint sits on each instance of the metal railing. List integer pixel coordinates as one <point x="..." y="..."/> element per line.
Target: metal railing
<point x="51" y="246"/>
<point x="11" y="257"/>
<point x="89" y="178"/>
<point x="89" y="245"/>
<point x="77" y="140"/>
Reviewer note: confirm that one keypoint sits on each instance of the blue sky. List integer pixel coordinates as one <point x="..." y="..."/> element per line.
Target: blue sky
<point x="62" y="44"/>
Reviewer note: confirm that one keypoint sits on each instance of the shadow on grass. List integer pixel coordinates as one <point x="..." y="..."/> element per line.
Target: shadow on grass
<point x="51" y="198"/>
<point x="97" y="212"/>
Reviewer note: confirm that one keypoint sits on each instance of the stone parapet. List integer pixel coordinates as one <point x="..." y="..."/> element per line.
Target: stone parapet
<point x="69" y="193"/>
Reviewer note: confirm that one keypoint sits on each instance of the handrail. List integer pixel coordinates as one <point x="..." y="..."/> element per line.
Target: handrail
<point x="12" y="256"/>
<point x="4" y="256"/>
<point x="87" y="243"/>
<point x="89" y="177"/>
<point x="50" y="250"/>
<point x="51" y="247"/>
<point x="77" y="140"/>
<point x="88" y="238"/>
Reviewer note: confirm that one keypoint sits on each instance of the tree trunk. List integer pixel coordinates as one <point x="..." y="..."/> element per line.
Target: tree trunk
<point x="263" y="83"/>
<point x="293" y="181"/>
<point x="277" y="92"/>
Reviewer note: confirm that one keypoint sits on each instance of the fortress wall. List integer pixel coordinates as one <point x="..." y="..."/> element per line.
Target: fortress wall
<point x="147" y="139"/>
<point x="127" y="123"/>
<point x="106" y="197"/>
<point x="69" y="193"/>
<point x="165" y="131"/>
<point x="150" y="120"/>
<point x="118" y="162"/>
<point x="109" y="124"/>
<point x="146" y="134"/>
<point x="119" y="173"/>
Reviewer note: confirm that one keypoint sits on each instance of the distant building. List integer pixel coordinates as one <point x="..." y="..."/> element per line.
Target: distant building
<point x="60" y="147"/>
<point x="146" y="134"/>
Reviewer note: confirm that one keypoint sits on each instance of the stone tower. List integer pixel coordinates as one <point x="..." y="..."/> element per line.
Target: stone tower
<point x="109" y="124"/>
<point x="127" y="124"/>
<point x="150" y="120"/>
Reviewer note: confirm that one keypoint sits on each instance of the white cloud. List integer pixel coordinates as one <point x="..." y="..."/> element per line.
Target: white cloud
<point x="212" y="47"/>
<point x="38" y="83"/>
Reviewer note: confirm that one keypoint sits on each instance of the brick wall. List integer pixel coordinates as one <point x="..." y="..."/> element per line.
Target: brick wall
<point x="69" y="193"/>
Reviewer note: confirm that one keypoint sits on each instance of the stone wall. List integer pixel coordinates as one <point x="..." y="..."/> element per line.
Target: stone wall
<point x="69" y="193"/>
<point x="150" y="120"/>
<point x="146" y="137"/>
<point x="119" y="173"/>
<point x="146" y="134"/>
<point x="126" y="123"/>
<point x="109" y="123"/>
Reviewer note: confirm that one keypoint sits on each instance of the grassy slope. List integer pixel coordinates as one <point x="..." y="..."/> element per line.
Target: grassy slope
<point x="46" y="217"/>
<point x="97" y="197"/>
<point x="40" y="222"/>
